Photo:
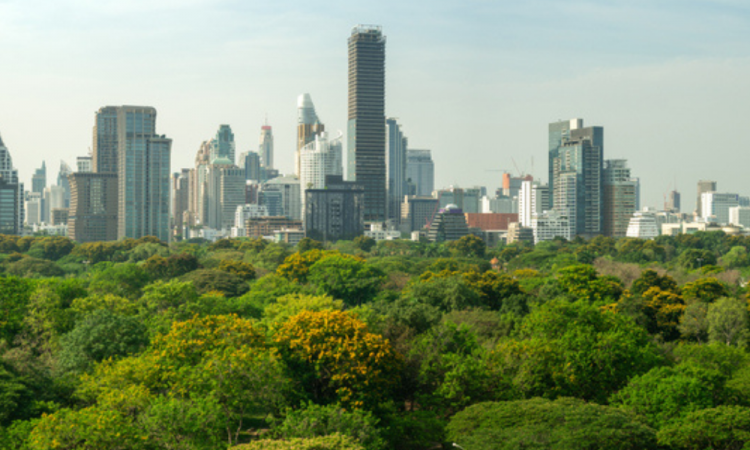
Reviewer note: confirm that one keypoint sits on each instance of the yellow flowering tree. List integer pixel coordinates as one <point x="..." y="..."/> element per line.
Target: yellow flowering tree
<point x="336" y="358"/>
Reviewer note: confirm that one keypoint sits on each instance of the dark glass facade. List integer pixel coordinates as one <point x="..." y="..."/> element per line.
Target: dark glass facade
<point x="366" y="127"/>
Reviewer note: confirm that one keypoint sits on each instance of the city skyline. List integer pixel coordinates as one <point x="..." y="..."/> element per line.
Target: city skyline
<point x="685" y="87"/>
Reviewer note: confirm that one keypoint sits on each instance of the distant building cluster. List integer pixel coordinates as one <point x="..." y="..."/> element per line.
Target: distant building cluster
<point x="365" y="181"/>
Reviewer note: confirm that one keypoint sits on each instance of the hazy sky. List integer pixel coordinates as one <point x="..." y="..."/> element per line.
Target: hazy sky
<point x="476" y="82"/>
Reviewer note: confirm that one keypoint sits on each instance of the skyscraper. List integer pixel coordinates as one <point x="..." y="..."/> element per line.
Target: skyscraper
<point x="250" y="162"/>
<point x="366" y="127"/>
<point x="92" y="215"/>
<point x="703" y="187"/>
<point x="106" y="141"/>
<point x="673" y="202"/>
<point x="558" y="132"/>
<point x="180" y="198"/>
<point x="265" y="147"/>
<point x="62" y="181"/>
<point x="319" y="159"/>
<point x="576" y="158"/>
<point x="620" y="201"/>
<point x="420" y="172"/>
<point x="143" y="172"/>
<point x="39" y="179"/>
<point x="396" y="144"/>
<point x="308" y="126"/>
<point x="222" y="145"/>
<point x="12" y="214"/>
<point x="226" y="191"/>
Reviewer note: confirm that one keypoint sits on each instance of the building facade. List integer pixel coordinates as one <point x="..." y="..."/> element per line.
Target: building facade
<point x="319" y="159"/>
<point x="12" y="212"/>
<point x="281" y="196"/>
<point x="366" y="118"/>
<point x="396" y="148"/>
<point x="336" y="212"/>
<point x="265" y="147"/>
<point x="715" y="206"/>
<point x="143" y="171"/>
<point x="417" y="212"/>
<point x="92" y="215"/>
<point x="576" y="158"/>
<point x="703" y="187"/>
<point x="420" y="172"/>
<point x="449" y="224"/>
<point x="620" y="197"/>
<point x="222" y="145"/>
<point x="308" y="126"/>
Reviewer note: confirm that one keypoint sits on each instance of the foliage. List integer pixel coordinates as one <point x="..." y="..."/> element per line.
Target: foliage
<point x="316" y="420"/>
<point x="209" y="280"/>
<point x="336" y="359"/>
<point x="469" y="246"/>
<point x="668" y="393"/>
<point x="346" y="278"/>
<point x="331" y="442"/>
<point x="543" y="424"/>
<point x="292" y="304"/>
<point x="723" y="427"/>
<point x="365" y="243"/>
<point x="101" y="335"/>
<point x="243" y="270"/>
<point x="576" y="350"/>
<point x="728" y="321"/>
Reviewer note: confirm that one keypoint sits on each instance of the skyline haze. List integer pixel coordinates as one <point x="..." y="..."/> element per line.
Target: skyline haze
<point x="477" y="84"/>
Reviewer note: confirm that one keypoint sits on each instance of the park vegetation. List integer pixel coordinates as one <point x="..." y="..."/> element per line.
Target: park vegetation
<point x="361" y="345"/>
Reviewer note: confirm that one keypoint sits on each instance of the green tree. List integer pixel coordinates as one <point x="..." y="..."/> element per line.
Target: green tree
<point x="331" y="442"/>
<point x="576" y="350"/>
<point x="469" y="246"/>
<point x="723" y="427"/>
<point x="243" y="270"/>
<point x="14" y="299"/>
<point x="667" y="393"/>
<point x="346" y="278"/>
<point x="704" y="289"/>
<point x="208" y="280"/>
<point x="365" y="243"/>
<point x="562" y="424"/>
<point x="694" y="258"/>
<point x="650" y="278"/>
<point x="446" y="293"/>
<point x="318" y="420"/>
<point x="581" y="282"/>
<point x="101" y="335"/>
<point x="728" y="321"/>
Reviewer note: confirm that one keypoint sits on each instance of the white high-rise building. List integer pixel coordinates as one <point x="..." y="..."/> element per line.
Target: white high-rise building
<point x="549" y="225"/>
<point x="643" y="226"/>
<point x="740" y="215"/>
<point x="318" y="159"/>
<point x="265" y="147"/>
<point x="715" y="206"/>
<point x="533" y="199"/>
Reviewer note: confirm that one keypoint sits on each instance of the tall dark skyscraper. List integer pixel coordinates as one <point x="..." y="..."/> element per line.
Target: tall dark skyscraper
<point x="366" y="126"/>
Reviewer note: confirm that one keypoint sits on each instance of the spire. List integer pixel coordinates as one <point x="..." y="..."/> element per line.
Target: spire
<point x="1" y="141"/>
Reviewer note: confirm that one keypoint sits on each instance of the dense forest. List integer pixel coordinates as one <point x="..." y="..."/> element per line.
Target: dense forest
<point x="364" y="345"/>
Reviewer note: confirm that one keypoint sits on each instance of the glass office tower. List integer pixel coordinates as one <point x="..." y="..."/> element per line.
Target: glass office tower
<point x="366" y="127"/>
